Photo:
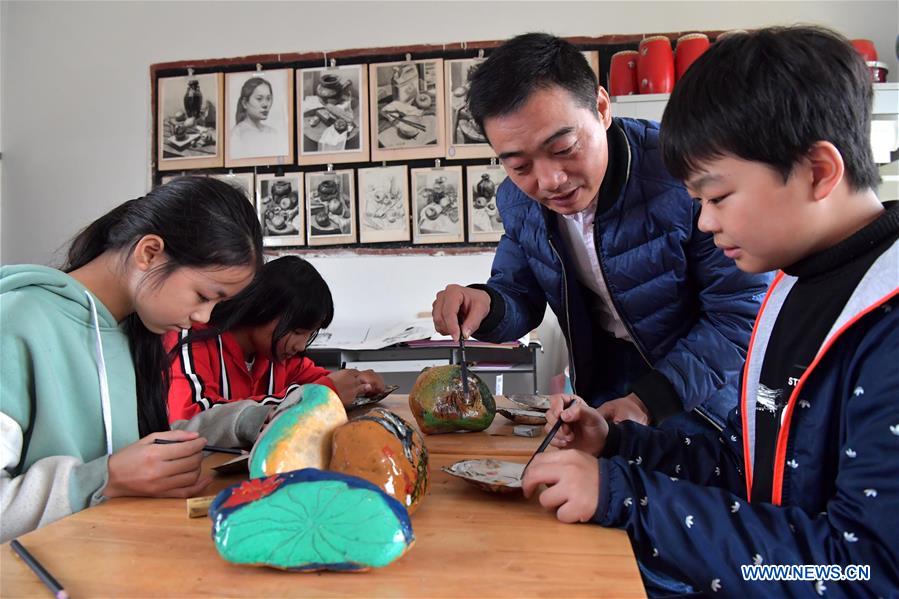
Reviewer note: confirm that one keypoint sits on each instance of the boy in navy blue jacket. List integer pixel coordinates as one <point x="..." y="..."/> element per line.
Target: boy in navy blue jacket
<point x="770" y="131"/>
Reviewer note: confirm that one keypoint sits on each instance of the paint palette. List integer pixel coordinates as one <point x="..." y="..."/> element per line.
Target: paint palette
<point x="519" y="416"/>
<point x="531" y="402"/>
<point x="362" y="400"/>
<point x="238" y="465"/>
<point x="488" y="474"/>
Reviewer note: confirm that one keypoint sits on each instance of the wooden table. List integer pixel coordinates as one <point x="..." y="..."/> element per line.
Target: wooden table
<point x="468" y="543"/>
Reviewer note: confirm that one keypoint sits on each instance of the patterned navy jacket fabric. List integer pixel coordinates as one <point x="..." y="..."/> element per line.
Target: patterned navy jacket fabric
<point x="683" y="498"/>
<point x="688" y="308"/>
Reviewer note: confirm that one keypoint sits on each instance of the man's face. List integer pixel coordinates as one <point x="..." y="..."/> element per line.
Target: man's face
<point x="758" y="220"/>
<point x="553" y="148"/>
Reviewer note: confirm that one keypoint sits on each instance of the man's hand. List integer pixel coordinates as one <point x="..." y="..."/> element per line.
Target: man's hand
<point x="457" y="303"/>
<point x="572" y="478"/>
<point x="583" y="428"/>
<point x="628" y="407"/>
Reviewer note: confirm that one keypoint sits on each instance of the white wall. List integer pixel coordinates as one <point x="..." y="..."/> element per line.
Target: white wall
<point x="74" y="96"/>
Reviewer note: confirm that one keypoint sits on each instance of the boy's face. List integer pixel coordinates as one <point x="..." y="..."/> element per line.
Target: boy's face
<point x="758" y="220"/>
<point x="553" y="148"/>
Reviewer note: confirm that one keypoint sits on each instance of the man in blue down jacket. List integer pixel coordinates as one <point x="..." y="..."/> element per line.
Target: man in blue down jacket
<point x="656" y="318"/>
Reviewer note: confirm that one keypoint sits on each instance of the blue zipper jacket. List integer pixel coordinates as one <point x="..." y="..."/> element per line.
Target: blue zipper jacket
<point x="687" y="307"/>
<point x="835" y="492"/>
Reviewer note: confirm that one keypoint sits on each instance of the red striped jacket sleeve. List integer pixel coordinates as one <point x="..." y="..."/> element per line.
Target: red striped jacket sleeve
<point x="195" y="375"/>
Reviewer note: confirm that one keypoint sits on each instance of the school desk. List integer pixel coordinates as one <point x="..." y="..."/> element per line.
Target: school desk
<point x="468" y="543"/>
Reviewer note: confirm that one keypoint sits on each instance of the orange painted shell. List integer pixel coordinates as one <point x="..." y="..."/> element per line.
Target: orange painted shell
<point x="383" y="449"/>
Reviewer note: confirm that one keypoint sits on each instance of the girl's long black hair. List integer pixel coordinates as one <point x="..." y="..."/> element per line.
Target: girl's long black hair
<point x="288" y="290"/>
<point x="203" y="222"/>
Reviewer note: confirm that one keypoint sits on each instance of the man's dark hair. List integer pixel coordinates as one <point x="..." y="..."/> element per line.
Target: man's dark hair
<point x="768" y="96"/>
<point x="503" y="83"/>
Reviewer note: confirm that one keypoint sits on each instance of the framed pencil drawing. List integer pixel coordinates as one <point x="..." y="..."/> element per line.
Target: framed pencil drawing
<point x="465" y="139"/>
<point x="279" y="203"/>
<point x="484" y="222"/>
<point x="330" y="208"/>
<point x="259" y="118"/>
<point x="189" y="122"/>
<point x="332" y="115"/>
<point x="383" y="204"/>
<point x="437" y="205"/>
<point x="407" y="110"/>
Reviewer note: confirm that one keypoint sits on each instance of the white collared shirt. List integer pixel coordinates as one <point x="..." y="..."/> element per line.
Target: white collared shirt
<point x="577" y="231"/>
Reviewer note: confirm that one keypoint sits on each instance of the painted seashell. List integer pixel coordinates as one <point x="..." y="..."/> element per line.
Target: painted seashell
<point x="491" y="475"/>
<point x="309" y="520"/>
<point x="300" y="436"/>
<point x="363" y="401"/>
<point x="519" y="416"/>
<point x="438" y="402"/>
<point x="383" y="449"/>
<point x="531" y="402"/>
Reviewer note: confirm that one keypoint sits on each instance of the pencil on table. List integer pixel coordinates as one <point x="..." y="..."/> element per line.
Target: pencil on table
<point x="39" y="570"/>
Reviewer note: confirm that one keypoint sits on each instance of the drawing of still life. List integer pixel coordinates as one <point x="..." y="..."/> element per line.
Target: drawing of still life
<point x="437" y="210"/>
<point x="407" y="109"/>
<point x="330" y="208"/>
<point x="484" y="221"/>
<point x="190" y="122"/>
<point x="383" y="204"/>
<point x="333" y="103"/>
<point x="279" y="203"/>
<point x="465" y="139"/>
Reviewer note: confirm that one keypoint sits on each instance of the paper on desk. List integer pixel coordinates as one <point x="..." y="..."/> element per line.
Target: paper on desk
<point x="356" y="335"/>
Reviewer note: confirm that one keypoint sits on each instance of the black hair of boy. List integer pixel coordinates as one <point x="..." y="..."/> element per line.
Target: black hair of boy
<point x="503" y="83"/>
<point x="758" y="98"/>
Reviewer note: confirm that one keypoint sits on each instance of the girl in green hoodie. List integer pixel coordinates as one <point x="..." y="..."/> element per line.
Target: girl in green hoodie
<point x="83" y="373"/>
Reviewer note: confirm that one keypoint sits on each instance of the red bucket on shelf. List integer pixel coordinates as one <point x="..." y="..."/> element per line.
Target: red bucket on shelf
<point x="655" y="65"/>
<point x="623" y="73"/>
<point x="866" y="49"/>
<point x="878" y="71"/>
<point x="689" y="48"/>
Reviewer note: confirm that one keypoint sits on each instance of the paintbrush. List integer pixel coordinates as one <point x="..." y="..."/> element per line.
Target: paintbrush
<point x="549" y="437"/>
<point x="465" y="391"/>
<point x="213" y="448"/>
<point x="39" y="570"/>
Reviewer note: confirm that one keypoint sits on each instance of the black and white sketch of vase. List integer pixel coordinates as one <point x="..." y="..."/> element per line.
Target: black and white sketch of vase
<point x="193" y="99"/>
<point x="486" y="188"/>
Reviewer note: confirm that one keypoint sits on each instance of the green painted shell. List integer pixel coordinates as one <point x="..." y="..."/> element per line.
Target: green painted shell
<point x="310" y="520"/>
<point x="438" y="402"/>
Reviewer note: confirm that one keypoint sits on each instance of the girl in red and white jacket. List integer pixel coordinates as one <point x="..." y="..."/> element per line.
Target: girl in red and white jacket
<point x="254" y="345"/>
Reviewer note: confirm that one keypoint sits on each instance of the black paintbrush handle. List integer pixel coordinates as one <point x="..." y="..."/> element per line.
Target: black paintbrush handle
<point x="213" y="448"/>
<point x="465" y="391"/>
<point x="549" y="437"/>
